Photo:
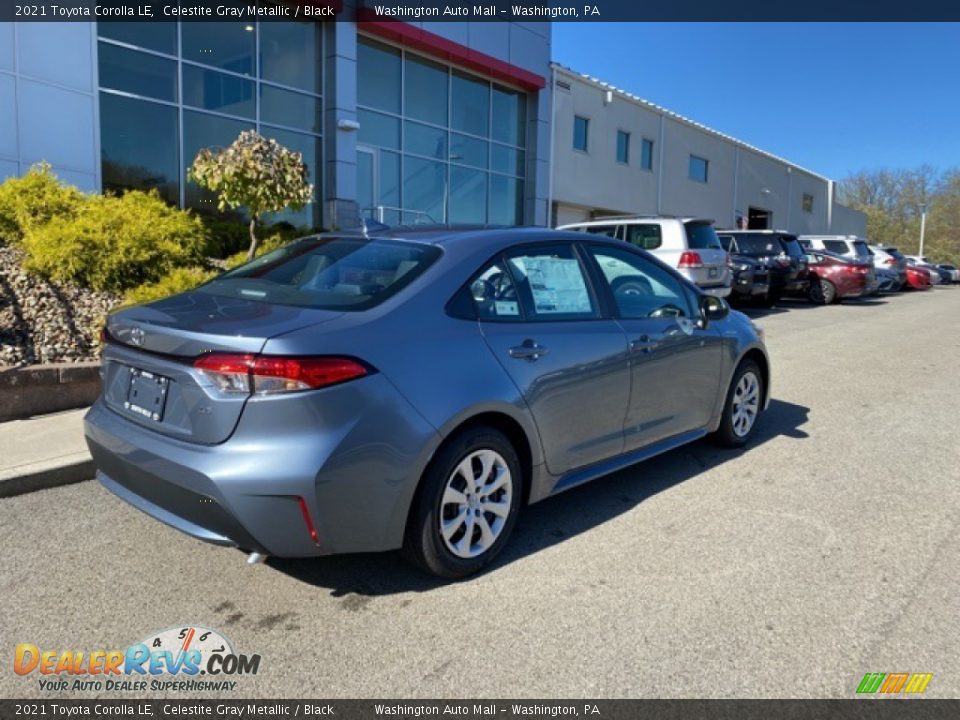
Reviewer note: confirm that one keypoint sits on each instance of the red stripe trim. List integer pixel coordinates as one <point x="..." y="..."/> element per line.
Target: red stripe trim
<point x="444" y="49"/>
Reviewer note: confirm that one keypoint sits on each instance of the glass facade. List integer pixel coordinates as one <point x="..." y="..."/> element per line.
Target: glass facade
<point x="170" y="89"/>
<point x="437" y="144"/>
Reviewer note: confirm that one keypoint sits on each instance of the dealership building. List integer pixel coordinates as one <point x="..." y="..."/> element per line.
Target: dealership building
<point x="405" y="122"/>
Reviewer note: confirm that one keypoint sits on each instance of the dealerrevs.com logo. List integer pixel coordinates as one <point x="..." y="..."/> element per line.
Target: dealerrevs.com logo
<point x="186" y="659"/>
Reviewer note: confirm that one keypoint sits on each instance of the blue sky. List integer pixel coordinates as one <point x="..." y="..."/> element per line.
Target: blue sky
<point x="833" y="97"/>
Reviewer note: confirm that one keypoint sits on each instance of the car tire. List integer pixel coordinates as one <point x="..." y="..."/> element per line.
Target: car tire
<point x="446" y="498"/>
<point x="746" y="386"/>
<point x="823" y="292"/>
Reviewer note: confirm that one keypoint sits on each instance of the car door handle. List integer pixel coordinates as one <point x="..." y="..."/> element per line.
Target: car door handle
<point x="644" y="343"/>
<point x="529" y="350"/>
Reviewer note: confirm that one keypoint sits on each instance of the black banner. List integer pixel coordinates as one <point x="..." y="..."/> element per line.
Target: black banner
<point x="854" y="709"/>
<point x="492" y="11"/>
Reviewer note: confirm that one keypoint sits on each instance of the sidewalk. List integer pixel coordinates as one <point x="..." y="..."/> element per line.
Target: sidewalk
<point x="41" y="452"/>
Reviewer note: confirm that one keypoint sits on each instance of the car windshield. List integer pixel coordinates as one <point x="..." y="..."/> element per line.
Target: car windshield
<point x="333" y="273"/>
<point x="758" y="245"/>
<point x="702" y="236"/>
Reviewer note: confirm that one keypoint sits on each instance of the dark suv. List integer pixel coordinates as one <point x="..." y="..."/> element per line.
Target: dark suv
<point x="780" y="252"/>
<point x="751" y="277"/>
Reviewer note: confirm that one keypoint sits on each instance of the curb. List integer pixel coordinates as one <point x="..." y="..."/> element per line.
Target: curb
<point x="74" y="469"/>
<point x="42" y="389"/>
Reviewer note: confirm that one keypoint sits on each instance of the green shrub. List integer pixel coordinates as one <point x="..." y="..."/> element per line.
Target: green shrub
<point x="34" y="199"/>
<point x="177" y="281"/>
<point x="115" y="243"/>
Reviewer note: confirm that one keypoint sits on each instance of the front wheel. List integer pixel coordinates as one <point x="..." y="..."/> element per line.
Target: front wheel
<point x="466" y="506"/>
<point x="742" y="406"/>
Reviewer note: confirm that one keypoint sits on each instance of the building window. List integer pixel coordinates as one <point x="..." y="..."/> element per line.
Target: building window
<point x="581" y="126"/>
<point x="698" y="168"/>
<point x="807" y="203"/>
<point x="158" y="106"/>
<point x="451" y="149"/>
<point x="623" y="147"/>
<point x="646" y="154"/>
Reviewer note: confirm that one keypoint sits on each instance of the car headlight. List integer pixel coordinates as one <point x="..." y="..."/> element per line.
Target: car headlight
<point x="742" y="267"/>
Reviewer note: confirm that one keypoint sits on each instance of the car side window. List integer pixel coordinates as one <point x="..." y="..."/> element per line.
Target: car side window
<point x="837" y="246"/>
<point x="551" y="284"/>
<point x="640" y="287"/>
<point x="495" y="294"/>
<point x="645" y="237"/>
<point x="605" y="230"/>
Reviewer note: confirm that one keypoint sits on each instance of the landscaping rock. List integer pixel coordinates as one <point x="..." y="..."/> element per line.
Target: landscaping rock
<point x="43" y="322"/>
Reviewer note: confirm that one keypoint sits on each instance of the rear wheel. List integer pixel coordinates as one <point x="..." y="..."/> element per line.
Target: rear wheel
<point x="466" y="506"/>
<point x="823" y="292"/>
<point x="742" y="407"/>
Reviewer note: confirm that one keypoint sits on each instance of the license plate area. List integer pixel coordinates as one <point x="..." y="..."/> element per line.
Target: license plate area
<point x="713" y="272"/>
<point x="147" y="394"/>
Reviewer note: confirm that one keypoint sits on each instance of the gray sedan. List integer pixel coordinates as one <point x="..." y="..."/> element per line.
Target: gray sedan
<point x="413" y="389"/>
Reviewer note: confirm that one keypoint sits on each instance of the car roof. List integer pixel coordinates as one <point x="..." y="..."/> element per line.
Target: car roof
<point x="451" y="236"/>
<point x="607" y="219"/>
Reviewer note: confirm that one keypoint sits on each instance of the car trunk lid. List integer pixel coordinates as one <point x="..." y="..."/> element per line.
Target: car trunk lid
<point x="148" y="373"/>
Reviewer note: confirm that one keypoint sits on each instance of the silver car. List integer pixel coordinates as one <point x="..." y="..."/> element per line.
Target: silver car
<point x="688" y="244"/>
<point x="412" y="390"/>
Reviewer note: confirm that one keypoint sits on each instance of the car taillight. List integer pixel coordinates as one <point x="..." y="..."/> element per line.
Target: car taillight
<point x="783" y="260"/>
<point x="270" y="374"/>
<point x="861" y="269"/>
<point x="890" y="261"/>
<point x="690" y="259"/>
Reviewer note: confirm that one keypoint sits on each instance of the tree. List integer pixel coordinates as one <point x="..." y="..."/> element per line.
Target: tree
<point x="254" y="172"/>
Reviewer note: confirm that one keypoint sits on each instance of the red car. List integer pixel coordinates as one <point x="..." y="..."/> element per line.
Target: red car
<point x="835" y="277"/>
<point x="917" y="278"/>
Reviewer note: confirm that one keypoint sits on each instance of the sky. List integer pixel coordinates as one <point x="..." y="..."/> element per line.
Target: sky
<point x="835" y="98"/>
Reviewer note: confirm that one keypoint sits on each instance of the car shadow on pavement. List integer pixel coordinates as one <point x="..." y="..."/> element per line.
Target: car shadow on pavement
<point x="549" y="522"/>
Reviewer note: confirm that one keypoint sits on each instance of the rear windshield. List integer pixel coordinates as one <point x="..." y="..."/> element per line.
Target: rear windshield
<point x="758" y="245"/>
<point x="702" y="236"/>
<point x="332" y="273"/>
<point x="860" y="248"/>
<point x="791" y="246"/>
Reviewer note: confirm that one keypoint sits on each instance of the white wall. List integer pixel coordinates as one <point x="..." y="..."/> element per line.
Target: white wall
<point x="847" y="221"/>
<point x="739" y="177"/>
<point x="48" y="108"/>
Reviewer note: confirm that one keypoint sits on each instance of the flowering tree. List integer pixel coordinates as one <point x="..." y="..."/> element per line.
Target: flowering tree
<point x="257" y="173"/>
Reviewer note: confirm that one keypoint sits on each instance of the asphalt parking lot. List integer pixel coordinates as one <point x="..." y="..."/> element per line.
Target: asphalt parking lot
<point x="829" y="548"/>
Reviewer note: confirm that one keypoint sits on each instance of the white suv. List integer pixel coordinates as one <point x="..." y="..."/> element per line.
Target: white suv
<point x="689" y="244"/>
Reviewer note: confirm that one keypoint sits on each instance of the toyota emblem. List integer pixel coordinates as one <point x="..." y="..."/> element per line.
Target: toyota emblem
<point x="137" y="336"/>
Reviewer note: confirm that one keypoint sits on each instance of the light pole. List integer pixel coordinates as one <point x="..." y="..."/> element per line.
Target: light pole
<point x="923" y="224"/>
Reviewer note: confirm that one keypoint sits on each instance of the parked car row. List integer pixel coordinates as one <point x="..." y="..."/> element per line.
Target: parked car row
<point x="766" y="266"/>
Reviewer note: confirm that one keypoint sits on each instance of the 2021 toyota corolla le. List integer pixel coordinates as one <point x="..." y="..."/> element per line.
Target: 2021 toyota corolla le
<point x="413" y="390"/>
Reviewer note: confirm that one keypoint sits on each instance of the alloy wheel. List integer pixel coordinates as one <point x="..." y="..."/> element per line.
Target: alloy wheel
<point x="746" y="404"/>
<point x="476" y="503"/>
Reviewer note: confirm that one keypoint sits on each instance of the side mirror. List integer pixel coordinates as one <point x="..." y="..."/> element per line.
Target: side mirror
<point x="713" y="309"/>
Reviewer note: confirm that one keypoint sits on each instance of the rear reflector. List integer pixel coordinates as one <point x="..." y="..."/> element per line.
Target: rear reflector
<point x="690" y="259"/>
<point x="270" y="374"/>
<point x="309" y="521"/>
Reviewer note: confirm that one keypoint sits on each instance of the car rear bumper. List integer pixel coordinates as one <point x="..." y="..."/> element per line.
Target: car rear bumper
<point x="250" y="491"/>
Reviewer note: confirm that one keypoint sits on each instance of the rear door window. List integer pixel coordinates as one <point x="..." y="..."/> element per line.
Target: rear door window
<point x="837" y="246"/>
<point x="611" y="231"/>
<point x="645" y="237"/>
